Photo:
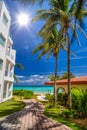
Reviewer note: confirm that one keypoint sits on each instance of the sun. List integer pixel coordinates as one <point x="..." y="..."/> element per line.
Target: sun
<point x="23" y="19"/>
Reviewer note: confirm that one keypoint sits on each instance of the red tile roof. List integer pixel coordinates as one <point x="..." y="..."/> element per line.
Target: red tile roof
<point x="77" y="80"/>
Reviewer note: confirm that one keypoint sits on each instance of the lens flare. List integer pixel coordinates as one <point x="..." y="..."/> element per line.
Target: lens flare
<point x="23" y="19"/>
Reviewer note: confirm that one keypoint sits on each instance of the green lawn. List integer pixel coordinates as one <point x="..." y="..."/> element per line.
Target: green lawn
<point x="10" y="107"/>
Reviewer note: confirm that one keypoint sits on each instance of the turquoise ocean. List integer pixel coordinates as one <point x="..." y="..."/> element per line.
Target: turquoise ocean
<point x="35" y="89"/>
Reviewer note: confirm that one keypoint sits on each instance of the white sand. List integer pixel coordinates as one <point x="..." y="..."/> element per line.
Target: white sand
<point x="41" y="97"/>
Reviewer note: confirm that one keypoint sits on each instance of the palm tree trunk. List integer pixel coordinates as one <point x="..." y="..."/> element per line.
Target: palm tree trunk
<point x="68" y="68"/>
<point x="55" y="90"/>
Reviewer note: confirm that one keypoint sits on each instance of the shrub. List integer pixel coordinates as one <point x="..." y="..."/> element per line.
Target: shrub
<point x="79" y="102"/>
<point x="62" y="98"/>
<point x="76" y="98"/>
<point x="26" y="94"/>
<point x="84" y="104"/>
<point x="49" y="97"/>
<point x="68" y="113"/>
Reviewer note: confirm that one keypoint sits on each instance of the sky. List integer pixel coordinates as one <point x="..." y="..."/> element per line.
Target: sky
<point x="25" y="40"/>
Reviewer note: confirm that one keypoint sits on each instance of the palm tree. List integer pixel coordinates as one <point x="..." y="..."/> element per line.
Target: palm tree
<point x="68" y="15"/>
<point x="52" y="77"/>
<point x="20" y="66"/>
<point x="64" y="14"/>
<point x="65" y="75"/>
<point x="51" y="46"/>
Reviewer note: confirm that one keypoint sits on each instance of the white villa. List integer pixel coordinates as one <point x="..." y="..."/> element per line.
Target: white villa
<point x="7" y="55"/>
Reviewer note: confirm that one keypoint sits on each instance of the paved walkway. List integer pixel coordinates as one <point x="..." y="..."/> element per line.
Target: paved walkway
<point x="30" y="118"/>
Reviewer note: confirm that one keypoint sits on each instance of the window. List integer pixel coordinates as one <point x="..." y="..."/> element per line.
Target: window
<point x="5" y="20"/>
<point x="1" y="63"/>
<point x="2" y="40"/>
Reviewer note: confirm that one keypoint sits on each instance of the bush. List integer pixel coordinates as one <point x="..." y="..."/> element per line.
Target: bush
<point x="50" y="97"/>
<point x="79" y="102"/>
<point x="68" y="113"/>
<point x="63" y="98"/>
<point x="26" y="94"/>
<point x="76" y="98"/>
<point x="84" y="104"/>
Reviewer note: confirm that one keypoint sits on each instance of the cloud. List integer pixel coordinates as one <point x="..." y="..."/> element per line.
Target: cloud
<point x="20" y="76"/>
<point x="33" y="79"/>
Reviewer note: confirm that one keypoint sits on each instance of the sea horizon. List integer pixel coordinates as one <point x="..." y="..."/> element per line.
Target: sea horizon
<point x="35" y="88"/>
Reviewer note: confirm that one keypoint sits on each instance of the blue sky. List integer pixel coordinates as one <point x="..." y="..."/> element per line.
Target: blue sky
<point x="25" y="40"/>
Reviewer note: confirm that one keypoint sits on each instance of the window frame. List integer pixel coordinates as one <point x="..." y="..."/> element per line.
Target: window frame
<point x="2" y="41"/>
<point x="1" y="64"/>
<point x="5" y="19"/>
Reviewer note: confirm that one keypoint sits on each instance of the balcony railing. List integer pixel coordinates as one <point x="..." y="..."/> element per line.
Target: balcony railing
<point x="8" y="53"/>
<point x="6" y="73"/>
<point x="11" y="55"/>
<point x="9" y="74"/>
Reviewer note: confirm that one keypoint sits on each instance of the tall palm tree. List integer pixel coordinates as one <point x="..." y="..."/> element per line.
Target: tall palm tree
<point x="67" y="14"/>
<point x="51" y="46"/>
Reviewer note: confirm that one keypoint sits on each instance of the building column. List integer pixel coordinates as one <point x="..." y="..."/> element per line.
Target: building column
<point x="9" y="66"/>
<point x="11" y="89"/>
<point x="12" y="71"/>
<point x="7" y="89"/>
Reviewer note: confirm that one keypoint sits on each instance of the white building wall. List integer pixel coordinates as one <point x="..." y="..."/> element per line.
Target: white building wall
<point x="4" y="30"/>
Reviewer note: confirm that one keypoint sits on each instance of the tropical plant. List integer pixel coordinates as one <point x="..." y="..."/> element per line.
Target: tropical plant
<point x="65" y="75"/>
<point x="20" y="66"/>
<point x="51" y="46"/>
<point x="65" y="14"/>
<point x="26" y="94"/>
<point x="68" y="15"/>
<point x="79" y="101"/>
<point x="52" y="77"/>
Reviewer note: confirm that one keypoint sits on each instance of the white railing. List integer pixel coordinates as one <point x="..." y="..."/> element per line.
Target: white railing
<point x="11" y="54"/>
<point x="9" y="74"/>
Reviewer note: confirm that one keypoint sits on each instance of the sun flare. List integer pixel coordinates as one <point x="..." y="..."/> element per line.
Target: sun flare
<point x="23" y="19"/>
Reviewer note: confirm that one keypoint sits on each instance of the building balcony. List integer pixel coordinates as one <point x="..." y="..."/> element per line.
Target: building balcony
<point x="11" y="56"/>
<point x="10" y="42"/>
<point x="9" y="76"/>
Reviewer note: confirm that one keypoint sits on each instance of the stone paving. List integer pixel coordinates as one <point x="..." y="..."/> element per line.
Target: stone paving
<point x="30" y="118"/>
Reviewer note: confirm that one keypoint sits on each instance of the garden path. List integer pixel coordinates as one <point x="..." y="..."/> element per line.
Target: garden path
<point x="30" y="118"/>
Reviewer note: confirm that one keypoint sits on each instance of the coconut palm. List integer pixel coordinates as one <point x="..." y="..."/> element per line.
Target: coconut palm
<point x="67" y="14"/>
<point x="51" y="46"/>
<point x="65" y="75"/>
<point x="64" y="14"/>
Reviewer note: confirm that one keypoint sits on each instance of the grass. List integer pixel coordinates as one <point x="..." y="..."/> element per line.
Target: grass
<point x="16" y="103"/>
<point x="55" y="114"/>
<point x="10" y="107"/>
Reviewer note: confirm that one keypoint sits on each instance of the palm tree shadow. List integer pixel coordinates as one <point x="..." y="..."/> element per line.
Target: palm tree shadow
<point x="14" y="121"/>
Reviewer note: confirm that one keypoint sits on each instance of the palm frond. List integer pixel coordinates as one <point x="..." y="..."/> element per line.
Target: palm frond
<point x="73" y="53"/>
<point x="38" y="48"/>
<point x="75" y="35"/>
<point x="82" y="31"/>
<point x="25" y="2"/>
<point x="15" y="78"/>
<point x="20" y="66"/>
